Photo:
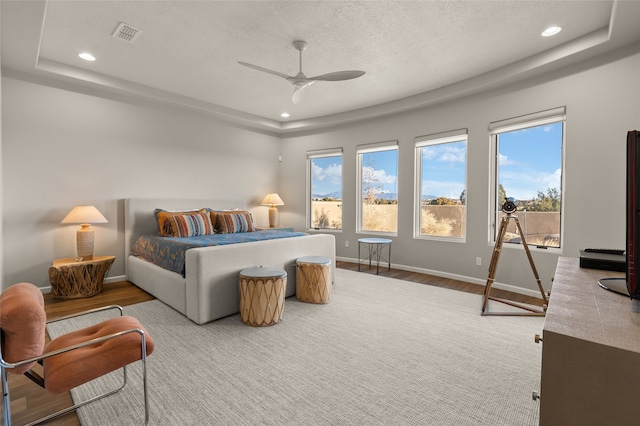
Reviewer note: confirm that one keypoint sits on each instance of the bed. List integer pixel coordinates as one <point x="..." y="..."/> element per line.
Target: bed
<point x="208" y="290"/>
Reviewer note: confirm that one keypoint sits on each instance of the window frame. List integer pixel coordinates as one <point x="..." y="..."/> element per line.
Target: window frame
<point x="311" y="155"/>
<point x="460" y="135"/>
<point x="391" y="145"/>
<point x="537" y="119"/>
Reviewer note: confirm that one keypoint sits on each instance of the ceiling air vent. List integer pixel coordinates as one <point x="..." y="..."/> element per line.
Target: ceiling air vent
<point x="126" y="32"/>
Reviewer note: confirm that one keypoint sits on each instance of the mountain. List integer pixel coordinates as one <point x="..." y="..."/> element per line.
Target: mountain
<point x="388" y="196"/>
<point x="335" y="195"/>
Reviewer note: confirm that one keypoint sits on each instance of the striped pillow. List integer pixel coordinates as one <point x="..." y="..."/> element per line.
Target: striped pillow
<point x="191" y="225"/>
<point x="165" y="228"/>
<point x="233" y="222"/>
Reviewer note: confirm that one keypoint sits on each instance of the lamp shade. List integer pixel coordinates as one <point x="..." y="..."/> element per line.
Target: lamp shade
<point x="272" y="200"/>
<point x="84" y="214"/>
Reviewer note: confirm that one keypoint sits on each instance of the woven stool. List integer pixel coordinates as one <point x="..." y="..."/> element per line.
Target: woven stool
<point x="262" y="296"/>
<point x="313" y="279"/>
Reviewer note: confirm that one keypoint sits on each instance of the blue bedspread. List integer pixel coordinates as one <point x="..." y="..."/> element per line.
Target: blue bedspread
<point x="169" y="252"/>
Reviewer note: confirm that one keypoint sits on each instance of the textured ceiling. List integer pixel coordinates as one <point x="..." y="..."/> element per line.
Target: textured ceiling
<point x="413" y="52"/>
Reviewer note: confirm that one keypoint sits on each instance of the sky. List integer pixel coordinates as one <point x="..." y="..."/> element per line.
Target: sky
<point x="530" y="162"/>
<point x="326" y="175"/>
<point x="444" y="170"/>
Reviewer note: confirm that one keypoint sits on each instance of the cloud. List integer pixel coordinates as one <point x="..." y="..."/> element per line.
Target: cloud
<point x="378" y="175"/>
<point x="503" y="160"/>
<point x="439" y="188"/>
<point x="448" y="153"/>
<point x="525" y="184"/>
<point x="333" y="173"/>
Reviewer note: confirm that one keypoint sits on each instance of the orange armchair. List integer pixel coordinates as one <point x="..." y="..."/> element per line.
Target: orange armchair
<point x="71" y="359"/>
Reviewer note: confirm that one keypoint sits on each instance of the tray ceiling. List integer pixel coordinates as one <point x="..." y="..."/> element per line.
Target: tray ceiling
<point x="414" y="53"/>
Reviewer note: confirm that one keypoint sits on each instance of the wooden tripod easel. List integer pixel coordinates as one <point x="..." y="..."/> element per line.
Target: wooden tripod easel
<point x="504" y="223"/>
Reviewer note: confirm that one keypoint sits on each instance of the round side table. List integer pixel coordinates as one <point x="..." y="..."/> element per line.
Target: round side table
<point x="375" y="247"/>
<point x="262" y="296"/>
<point x="71" y="278"/>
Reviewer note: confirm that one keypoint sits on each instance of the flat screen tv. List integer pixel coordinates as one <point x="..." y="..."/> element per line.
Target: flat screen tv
<point x="633" y="212"/>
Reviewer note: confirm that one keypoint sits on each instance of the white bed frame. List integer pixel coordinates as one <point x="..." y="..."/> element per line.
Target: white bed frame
<point x="210" y="289"/>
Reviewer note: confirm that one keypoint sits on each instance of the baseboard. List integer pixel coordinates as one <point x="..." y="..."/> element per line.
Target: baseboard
<point x="478" y="281"/>
<point x="108" y="280"/>
<point x="115" y="279"/>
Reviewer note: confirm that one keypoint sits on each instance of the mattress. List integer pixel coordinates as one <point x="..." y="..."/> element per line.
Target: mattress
<point x="169" y="252"/>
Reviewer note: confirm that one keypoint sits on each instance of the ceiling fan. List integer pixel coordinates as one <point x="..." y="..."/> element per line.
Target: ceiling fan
<point x="300" y="81"/>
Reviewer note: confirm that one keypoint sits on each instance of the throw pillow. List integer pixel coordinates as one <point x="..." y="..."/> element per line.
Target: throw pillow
<point x="232" y="222"/>
<point x="191" y="225"/>
<point x="165" y="227"/>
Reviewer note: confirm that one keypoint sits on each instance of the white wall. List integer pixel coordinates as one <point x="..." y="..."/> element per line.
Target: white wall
<point x="62" y="148"/>
<point x="602" y="105"/>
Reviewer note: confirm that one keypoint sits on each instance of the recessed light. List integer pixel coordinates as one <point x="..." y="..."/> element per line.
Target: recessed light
<point x="87" y="56"/>
<point x="284" y="115"/>
<point x="553" y="30"/>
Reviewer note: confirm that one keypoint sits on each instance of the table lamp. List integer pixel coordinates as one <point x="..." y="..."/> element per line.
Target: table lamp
<point x="273" y="200"/>
<point x="84" y="215"/>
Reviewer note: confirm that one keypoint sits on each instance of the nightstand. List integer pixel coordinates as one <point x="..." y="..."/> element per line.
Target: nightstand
<point x="71" y="278"/>
<point x="277" y="228"/>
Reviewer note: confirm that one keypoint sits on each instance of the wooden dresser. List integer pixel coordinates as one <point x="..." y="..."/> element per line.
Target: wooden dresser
<point x="590" y="353"/>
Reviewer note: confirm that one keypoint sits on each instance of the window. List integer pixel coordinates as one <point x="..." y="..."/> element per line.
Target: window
<point x="441" y="185"/>
<point x="324" y="200"/>
<point x="528" y="164"/>
<point x="377" y="205"/>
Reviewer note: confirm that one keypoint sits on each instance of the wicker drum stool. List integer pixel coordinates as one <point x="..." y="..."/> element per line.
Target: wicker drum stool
<point x="262" y="296"/>
<point x="313" y="279"/>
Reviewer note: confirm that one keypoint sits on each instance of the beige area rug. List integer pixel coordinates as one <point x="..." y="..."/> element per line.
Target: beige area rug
<point x="382" y="352"/>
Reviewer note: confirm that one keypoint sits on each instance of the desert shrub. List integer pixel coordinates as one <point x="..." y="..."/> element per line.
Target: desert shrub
<point x="320" y="219"/>
<point x="533" y="240"/>
<point x="380" y="218"/>
<point x="544" y="240"/>
<point x="369" y="218"/>
<point x="512" y="237"/>
<point x="433" y="226"/>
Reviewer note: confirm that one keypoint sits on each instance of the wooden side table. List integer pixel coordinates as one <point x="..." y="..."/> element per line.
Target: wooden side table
<point x="71" y="278"/>
<point x="313" y="279"/>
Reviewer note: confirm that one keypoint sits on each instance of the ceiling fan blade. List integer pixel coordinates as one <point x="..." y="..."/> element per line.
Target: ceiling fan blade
<point x="300" y="81"/>
<point x="296" y="98"/>
<point x="255" y="67"/>
<point x="338" y="76"/>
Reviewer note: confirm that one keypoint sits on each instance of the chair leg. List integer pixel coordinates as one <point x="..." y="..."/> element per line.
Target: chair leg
<point x="146" y="393"/>
<point x="6" y="397"/>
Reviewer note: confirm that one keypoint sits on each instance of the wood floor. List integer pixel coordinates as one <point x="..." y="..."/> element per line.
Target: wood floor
<point x="30" y="402"/>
